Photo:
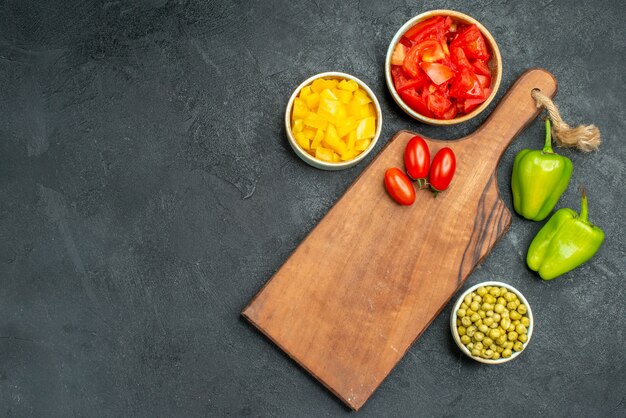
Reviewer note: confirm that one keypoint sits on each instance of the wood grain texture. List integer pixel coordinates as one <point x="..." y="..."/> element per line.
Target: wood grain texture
<point x="372" y="275"/>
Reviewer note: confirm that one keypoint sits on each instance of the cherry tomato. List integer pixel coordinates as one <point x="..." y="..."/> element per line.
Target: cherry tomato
<point x="417" y="158"/>
<point x="399" y="186"/>
<point x="442" y="170"/>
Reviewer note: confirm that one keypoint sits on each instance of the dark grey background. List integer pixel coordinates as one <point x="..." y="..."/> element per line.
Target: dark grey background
<point x="147" y="192"/>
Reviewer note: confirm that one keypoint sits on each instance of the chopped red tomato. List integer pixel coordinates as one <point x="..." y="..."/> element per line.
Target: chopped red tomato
<point x="438" y="73"/>
<point x="444" y="71"/>
<point x="481" y="67"/>
<point x="415" y="101"/>
<point x="438" y="104"/>
<point x="472" y="42"/>
<point x="433" y="28"/>
<point x="484" y="80"/>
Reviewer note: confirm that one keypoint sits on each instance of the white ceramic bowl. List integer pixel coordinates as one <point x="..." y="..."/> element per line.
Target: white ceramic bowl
<point x="308" y="158"/>
<point x="495" y="64"/>
<point x="457" y="338"/>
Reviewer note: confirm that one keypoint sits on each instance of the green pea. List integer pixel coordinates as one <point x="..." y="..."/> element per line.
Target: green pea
<point x="482" y="314"/>
<point x="510" y="296"/>
<point x="498" y="308"/>
<point x="494" y="325"/>
<point x="489" y="313"/>
<point x="481" y="291"/>
<point x="501" y="301"/>
<point x="466" y="322"/>
<point x="478" y="346"/>
<point x="487" y="307"/>
<point x="495" y="291"/>
<point x="487" y="341"/>
<point x="507" y="353"/>
<point x="523" y="338"/>
<point x="509" y="345"/>
<point x="470" y="330"/>
<point x="479" y="322"/>
<point x="516" y="322"/>
<point x="488" y="353"/>
<point x="475" y="352"/>
<point x="505" y="323"/>
<point x="525" y="321"/>
<point x="496" y="317"/>
<point x="489" y="299"/>
<point x="518" y="346"/>
<point x="522" y="309"/>
<point x="503" y="290"/>
<point x="479" y="336"/>
<point x="499" y="349"/>
<point x="464" y="305"/>
<point x="465" y="339"/>
<point x="512" y="336"/>
<point x="461" y="330"/>
<point x="475" y="317"/>
<point x="494" y="334"/>
<point x="502" y="340"/>
<point x="511" y="306"/>
<point x="470" y="346"/>
<point x="515" y="315"/>
<point x="511" y="328"/>
<point x="474" y="306"/>
<point x="467" y="299"/>
<point x="477" y="298"/>
<point x="496" y="355"/>
<point x="521" y="329"/>
<point x="488" y="321"/>
<point x="460" y="313"/>
<point x="483" y="328"/>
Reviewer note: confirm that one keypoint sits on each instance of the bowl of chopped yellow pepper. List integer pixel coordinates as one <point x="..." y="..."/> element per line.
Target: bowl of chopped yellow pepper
<point x="333" y="120"/>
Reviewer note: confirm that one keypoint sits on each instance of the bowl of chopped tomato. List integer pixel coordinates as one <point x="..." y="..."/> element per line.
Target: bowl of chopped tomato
<point x="443" y="67"/>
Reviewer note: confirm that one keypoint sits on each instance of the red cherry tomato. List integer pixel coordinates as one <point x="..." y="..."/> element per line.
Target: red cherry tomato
<point x="399" y="186"/>
<point x="442" y="169"/>
<point x="417" y="158"/>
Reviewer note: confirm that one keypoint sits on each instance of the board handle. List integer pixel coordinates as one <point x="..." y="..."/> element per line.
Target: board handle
<point x="516" y="109"/>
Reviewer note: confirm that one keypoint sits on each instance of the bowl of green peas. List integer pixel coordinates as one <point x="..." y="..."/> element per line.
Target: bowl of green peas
<point x="492" y="322"/>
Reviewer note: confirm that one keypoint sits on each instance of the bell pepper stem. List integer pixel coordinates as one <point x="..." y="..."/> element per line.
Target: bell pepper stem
<point x="584" y="211"/>
<point x="547" y="147"/>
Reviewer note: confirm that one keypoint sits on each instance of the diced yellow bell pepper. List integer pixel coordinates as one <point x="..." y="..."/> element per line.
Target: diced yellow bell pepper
<point x="348" y="85"/>
<point x="328" y="94"/>
<point x="305" y="92"/>
<point x="362" y="144"/>
<point x="361" y="97"/>
<point x="317" y="139"/>
<point x="336" y="158"/>
<point x="313" y="101"/>
<point x="309" y="133"/>
<point x="333" y="141"/>
<point x="329" y="109"/>
<point x="318" y="85"/>
<point x="366" y="128"/>
<point x="298" y="125"/>
<point x="371" y="109"/>
<point x="301" y="140"/>
<point x="324" y="154"/>
<point x="351" y="139"/>
<point x="358" y="111"/>
<point x="345" y="125"/>
<point x="348" y="155"/>
<point x="300" y="109"/>
<point x="344" y="96"/>
<point x="315" y="121"/>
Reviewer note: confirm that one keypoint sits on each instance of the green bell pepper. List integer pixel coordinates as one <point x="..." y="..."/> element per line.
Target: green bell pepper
<point x="565" y="242"/>
<point x="539" y="178"/>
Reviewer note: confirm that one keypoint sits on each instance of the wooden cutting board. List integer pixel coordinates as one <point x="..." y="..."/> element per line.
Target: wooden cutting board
<point x="372" y="275"/>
